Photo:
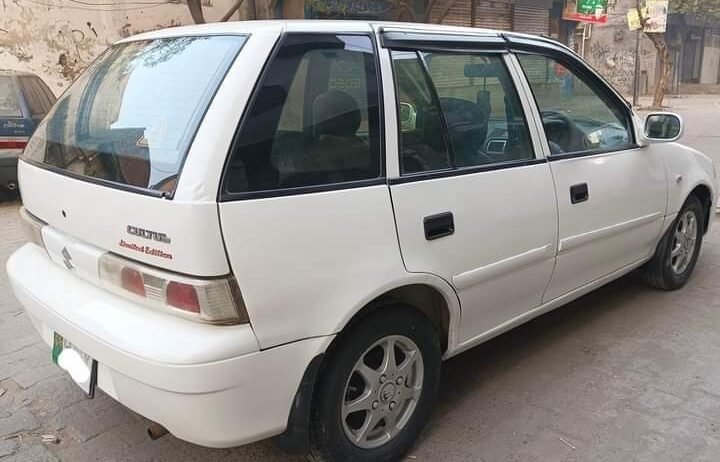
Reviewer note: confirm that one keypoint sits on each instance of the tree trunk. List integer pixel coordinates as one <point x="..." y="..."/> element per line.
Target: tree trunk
<point x="196" y="12"/>
<point x="658" y="39"/>
<point x="251" y="10"/>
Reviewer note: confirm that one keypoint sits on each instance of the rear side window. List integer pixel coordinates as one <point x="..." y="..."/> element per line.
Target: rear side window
<point x="315" y="118"/>
<point x="423" y="141"/>
<point x="38" y="96"/>
<point x="131" y="117"/>
<point x="9" y="98"/>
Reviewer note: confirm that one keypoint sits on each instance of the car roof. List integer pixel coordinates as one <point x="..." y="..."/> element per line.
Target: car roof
<point x="15" y="73"/>
<point x="324" y="25"/>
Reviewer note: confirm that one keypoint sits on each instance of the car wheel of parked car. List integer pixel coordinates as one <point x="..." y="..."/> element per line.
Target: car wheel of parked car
<point x="377" y="388"/>
<point x="676" y="254"/>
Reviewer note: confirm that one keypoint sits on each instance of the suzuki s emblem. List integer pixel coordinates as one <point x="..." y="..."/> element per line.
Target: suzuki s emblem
<point x="67" y="258"/>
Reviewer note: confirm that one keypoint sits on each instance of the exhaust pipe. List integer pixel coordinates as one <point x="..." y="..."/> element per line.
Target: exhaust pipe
<point x="156" y="431"/>
<point x="12" y="186"/>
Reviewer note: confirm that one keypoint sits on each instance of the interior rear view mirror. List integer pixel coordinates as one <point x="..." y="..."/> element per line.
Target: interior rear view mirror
<point x="663" y="126"/>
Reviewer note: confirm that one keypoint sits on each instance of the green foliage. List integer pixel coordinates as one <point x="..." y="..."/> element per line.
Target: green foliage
<point x="705" y="9"/>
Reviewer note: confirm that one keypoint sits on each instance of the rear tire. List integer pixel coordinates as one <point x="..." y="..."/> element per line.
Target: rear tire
<point x="677" y="253"/>
<point x="377" y="388"/>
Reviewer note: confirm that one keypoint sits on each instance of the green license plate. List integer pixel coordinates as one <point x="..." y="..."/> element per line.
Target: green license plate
<point x="81" y="367"/>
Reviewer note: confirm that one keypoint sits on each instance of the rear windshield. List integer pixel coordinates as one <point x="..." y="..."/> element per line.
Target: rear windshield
<point x="130" y="118"/>
<point x="9" y="98"/>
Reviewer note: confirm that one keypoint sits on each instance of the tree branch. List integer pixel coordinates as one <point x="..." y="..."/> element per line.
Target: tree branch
<point x="232" y="10"/>
<point x="403" y="7"/>
<point x="443" y="14"/>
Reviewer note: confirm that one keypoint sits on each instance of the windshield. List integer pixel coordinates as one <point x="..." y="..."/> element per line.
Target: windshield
<point x="130" y="118"/>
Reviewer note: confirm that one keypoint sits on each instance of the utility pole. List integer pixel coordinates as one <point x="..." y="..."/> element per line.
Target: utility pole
<point x="636" y="80"/>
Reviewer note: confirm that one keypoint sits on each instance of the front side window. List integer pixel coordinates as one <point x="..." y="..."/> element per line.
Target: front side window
<point x="315" y="119"/>
<point x="130" y="118"/>
<point x="576" y="117"/>
<point x="471" y="97"/>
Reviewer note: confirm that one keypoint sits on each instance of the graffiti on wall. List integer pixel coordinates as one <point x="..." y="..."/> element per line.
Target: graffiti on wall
<point x="58" y="41"/>
<point x="616" y="65"/>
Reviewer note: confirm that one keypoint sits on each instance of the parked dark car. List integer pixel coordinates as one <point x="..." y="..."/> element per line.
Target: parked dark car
<point x="24" y="101"/>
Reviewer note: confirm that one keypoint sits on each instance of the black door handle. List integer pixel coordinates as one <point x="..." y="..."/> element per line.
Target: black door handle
<point x="579" y="193"/>
<point x="440" y="225"/>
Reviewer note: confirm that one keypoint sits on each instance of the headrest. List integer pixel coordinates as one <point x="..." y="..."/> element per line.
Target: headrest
<point x="336" y="113"/>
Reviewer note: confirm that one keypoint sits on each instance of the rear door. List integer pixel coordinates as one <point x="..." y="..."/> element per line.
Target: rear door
<point x="474" y="200"/>
<point x="611" y="192"/>
<point x="305" y="208"/>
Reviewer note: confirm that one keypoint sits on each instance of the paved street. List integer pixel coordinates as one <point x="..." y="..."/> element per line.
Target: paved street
<point x="626" y="373"/>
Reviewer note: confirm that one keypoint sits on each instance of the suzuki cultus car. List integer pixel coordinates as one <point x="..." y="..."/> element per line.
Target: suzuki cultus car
<point x="281" y="229"/>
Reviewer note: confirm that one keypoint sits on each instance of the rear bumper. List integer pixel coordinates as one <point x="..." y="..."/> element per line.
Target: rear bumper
<point x="209" y="385"/>
<point x="8" y="167"/>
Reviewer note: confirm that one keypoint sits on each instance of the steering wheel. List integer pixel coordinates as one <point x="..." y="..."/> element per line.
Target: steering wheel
<point x="562" y="133"/>
<point x="467" y="126"/>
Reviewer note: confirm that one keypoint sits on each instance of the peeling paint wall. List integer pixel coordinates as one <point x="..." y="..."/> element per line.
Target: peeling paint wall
<point x="57" y="39"/>
<point x="611" y="50"/>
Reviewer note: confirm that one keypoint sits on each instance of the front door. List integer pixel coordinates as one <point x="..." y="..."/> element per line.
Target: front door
<point x="473" y="202"/>
<point x="611" y="193"/>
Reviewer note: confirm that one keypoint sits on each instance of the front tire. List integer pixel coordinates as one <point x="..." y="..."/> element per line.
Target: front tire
<point x="377" y="388"/>
<point x="677" y="253"/>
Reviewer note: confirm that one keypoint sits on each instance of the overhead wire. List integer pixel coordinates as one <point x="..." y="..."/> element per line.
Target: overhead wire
<point x="148" y="5"/>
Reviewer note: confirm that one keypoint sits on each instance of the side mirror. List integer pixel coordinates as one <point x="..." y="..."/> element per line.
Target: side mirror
<point x="663" y="127"/>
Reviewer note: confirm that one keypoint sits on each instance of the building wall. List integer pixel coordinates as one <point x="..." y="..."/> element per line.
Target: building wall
<point x="611" y="51"/>
<point x="57" y="39"/>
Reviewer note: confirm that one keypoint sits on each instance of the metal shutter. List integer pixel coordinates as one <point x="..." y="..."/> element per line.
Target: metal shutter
<point x="493" y="15"/>
<point x="460" y="14"/>
<point x="531" y="19"/>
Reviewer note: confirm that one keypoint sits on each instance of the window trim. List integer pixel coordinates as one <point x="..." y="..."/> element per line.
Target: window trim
<point x="502" y="54"/>
<point x="227" y="196"/>
<point x="588" y="77"/>
<point x="461" y="171"/>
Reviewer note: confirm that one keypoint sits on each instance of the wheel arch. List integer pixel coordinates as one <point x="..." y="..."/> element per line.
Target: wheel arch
<point x="427" y="293"/>
<point x="704" y="194"/>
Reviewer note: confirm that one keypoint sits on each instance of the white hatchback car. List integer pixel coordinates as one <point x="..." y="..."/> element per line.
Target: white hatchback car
<point x="263" y="229"/>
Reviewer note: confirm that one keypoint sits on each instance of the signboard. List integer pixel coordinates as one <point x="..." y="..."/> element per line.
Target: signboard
<point x="594" y="11"/>
<point x="656" y="14"/>
<point x="633" y="19"/>
<point x="365" y="9"/>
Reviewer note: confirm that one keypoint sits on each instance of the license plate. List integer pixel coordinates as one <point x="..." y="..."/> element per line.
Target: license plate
<point x="81" y="367"/>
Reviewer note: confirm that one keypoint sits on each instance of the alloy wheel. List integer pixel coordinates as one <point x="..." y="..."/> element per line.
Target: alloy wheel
<point x="684" y="242"/>
<point x="382" y="391"/>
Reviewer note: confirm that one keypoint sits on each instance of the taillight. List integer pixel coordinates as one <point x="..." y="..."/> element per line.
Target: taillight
<point x="182" y="296"/>
<point x="13" y="143"/>
<point x="211" y="300"/>
<point x="132" y="281"/>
